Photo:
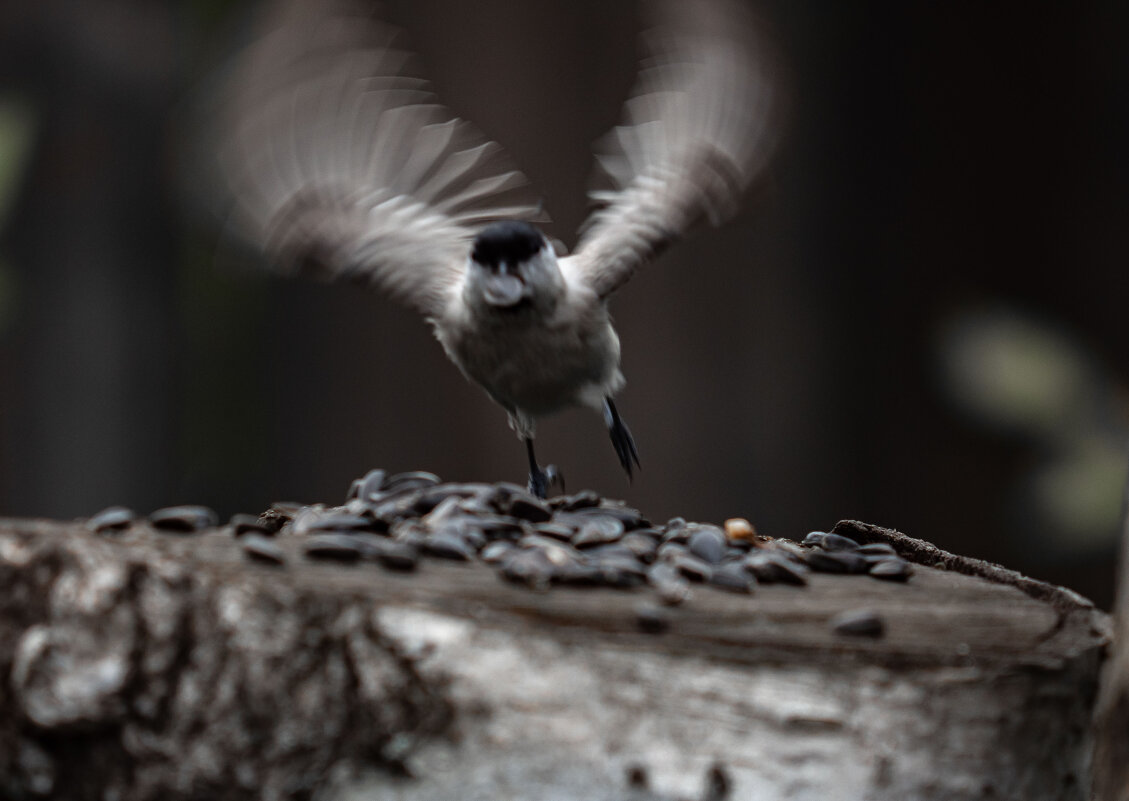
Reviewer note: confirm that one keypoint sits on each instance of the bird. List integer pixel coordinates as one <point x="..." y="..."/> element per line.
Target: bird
<point x="336" y="160"/>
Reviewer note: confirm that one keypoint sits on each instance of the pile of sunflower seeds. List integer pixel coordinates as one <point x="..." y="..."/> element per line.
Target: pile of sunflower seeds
<point x="579" y="540"/>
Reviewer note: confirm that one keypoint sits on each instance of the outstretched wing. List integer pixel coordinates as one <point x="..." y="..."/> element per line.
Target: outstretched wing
<point x="339" y="161"/>
<point x="698" y="129"/>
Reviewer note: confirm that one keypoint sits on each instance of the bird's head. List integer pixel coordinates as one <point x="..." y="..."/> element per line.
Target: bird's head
<point x="513" y="266"/>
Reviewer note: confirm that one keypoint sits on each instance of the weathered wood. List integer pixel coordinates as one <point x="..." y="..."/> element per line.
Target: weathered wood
<point x="148" y="665"/>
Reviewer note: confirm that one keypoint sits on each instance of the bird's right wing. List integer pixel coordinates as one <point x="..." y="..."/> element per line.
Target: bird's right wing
<point x="338" y="160"/>
<point x="697" y="130"/>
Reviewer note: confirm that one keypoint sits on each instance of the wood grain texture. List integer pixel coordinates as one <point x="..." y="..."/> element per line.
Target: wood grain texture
<point x="168" y="666"/>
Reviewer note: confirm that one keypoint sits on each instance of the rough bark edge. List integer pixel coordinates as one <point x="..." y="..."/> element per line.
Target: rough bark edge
<point x="920" y="552"/>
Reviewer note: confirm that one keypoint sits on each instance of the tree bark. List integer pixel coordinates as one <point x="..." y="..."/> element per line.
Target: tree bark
<point x="148" y="665"/>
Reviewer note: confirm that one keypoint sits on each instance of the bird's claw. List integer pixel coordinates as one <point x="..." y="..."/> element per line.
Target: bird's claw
<point x="622" y="441"/>
<point x="541" y="479"/>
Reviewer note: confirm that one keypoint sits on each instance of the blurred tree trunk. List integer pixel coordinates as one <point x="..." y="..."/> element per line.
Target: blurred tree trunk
<point x="92" y="368"/>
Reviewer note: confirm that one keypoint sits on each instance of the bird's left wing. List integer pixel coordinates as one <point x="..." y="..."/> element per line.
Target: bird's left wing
<point x="338" y="160"/>
<point x="698" y="129"/>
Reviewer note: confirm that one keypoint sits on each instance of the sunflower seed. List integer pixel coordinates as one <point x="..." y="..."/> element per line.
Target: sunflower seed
<point x="335" y="521"/>
<point x="707" y="543"/>
<point x="597" y="529"/>
<point x="830" y="542"/>
<point x="365" y="487"/>
<point x="113" y="518"/>
<point x="183" y="518"/>
<point x="836" y="562"/>
<point x="891" y="568"/>
<point x="859" y="623"/>
<point x="771" y="566"/>
<point x="248" y="524"/>
<point x="416" y="479"/>
<point x="630" y="518"/>
<point x="529" y="566"/>
<point x="557" y="552"/>
<point x="524" y="506"/>
<point x="733" y="577"/>
<point x="651" y="619"/>
<point x="642" y="546"/>
<point x="741" y="530"/>
<point x="557" y="531"/>
<point x="691" y="567"/>
<point x="447" y="545"/>
<point x="877" y="549"/>
<point x="668" y="583"/>
<point x="333" y="547"/>
<point x="580" y="500"/>
<point x="396" y="554"/>
<point x="262" y="549"/>
<point x="495" y="551"/>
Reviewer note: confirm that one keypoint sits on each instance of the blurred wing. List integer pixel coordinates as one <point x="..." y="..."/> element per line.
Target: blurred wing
<point x="339" y="161"/>
<point x="697" y="130"/>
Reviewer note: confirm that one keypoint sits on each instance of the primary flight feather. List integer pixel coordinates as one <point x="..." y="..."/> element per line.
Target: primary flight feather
<point x="339" y="161"/>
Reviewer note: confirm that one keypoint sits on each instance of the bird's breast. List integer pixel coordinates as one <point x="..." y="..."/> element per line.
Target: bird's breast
<point x="536" y="366"/>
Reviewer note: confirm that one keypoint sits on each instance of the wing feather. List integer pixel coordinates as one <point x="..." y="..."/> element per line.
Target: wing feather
<point x="697" y="130"/>
<point x="339" y="161"/>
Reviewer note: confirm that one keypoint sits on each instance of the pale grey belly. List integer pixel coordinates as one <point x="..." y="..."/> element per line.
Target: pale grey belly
<point x="538" y="372"/>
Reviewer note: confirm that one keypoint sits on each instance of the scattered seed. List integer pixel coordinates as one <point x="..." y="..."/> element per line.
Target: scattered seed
<point x="262" y="549"/>
<point x="248" y="524"/>
<point x="333" y="521"/>
<point x="733" y="577"/>
<point x="525" y="506"/>
<point x="333" y="547"/>
<point x="529" y="566"/>
<point x="651" y="619"/>
<point x="707" y="543"/>
<point x="597" y="529"/>
<point x="495" y="551"/>
<point x="691" y="567"/>
<point x="668" y="583"/>
<point x="814" y="538"/>
<point x="643" y="547"/>
<point x="740" y="529"/>
<point x="772" y="566"/>
<point x="837" y="542"/>
<point x="113" y="518"/>
<point x="892" y="568"/>
<point x="415" y="479"/>
<point x="447" y="545"/>
<point x="557" y="531"/>
<point x="580" y="500"/>
<point x="859" y="623"/>
<point x="630" y="518"/>
<point x="369" y="485"/>
<point x="397" y="555"/>
<point x="183" y="518"/>
<point x="836" y="562"/>
<point x="877" y="549"/>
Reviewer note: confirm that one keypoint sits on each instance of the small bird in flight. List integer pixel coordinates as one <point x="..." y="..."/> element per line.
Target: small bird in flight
<point x="338" y="161"/>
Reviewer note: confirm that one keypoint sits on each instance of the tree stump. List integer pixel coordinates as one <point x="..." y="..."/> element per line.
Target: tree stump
<point x="149" y="665"/>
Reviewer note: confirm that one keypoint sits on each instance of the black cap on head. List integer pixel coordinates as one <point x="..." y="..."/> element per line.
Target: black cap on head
<point x="510" y="241"/>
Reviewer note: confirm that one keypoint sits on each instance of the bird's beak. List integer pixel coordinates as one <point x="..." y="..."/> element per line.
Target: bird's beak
<point x="504" y="288"/>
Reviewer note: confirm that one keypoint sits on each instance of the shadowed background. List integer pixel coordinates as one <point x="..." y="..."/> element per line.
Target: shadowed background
<point x="918" y="320"/>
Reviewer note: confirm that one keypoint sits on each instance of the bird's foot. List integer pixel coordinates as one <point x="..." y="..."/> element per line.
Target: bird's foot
<point x="541" y="479"/>
<point x="622" y="440"/>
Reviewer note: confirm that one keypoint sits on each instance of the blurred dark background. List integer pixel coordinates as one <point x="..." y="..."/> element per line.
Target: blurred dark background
<point x="918" y="321"/>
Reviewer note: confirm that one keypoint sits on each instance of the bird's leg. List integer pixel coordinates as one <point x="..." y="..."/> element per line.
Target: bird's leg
<point x="622" y="440"/>
<point x="541" y="479"/>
